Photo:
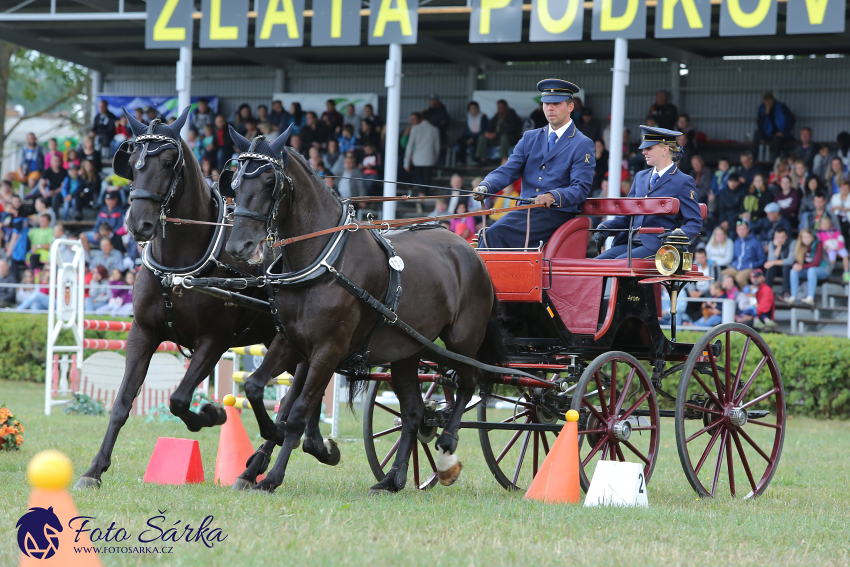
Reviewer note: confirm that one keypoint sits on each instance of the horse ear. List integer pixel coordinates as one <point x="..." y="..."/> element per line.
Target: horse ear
<point x="280" y="143"/>
<point x="240" y="141"/>
<point x="136" y="127"/>
<point x="177" y="125"/>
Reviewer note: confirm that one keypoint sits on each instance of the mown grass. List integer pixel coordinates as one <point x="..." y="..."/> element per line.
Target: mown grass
<point x="322" y="515"/>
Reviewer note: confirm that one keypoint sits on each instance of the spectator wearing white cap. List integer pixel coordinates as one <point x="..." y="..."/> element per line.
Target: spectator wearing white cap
<point x="772" y="220"/>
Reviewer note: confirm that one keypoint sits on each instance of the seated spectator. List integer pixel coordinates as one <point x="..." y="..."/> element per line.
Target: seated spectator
<point x="99" y="291"/>
<point x="749" y="255"/>
<point x="140" y="115"/>
<point x="730" y="204"/>
<point x="368" y="135"/>
<point x="152" y="114"/>
<point x="503" y="130"/>
<point x="314" y="133"/>
<point x="202" y="116"/>
<point x="600" y="171"/>
<point x="24" y="293"/>
<point x="350" y="182"/>
<point x="297" y="118"/>
<point x="721" y="176"/>
<point x="761" y="303"/>
<point x="89" y="189"/>
<point x="332" y="156"/>
<point x="806" y="149"/>
<point x="346" y="140"/>
<point x="756" y="199"/>
<point x="72" y="158"/>
<point x="438" y="116"/>
<point x="278" y="116"/>
<point x="820" y="165"/>
<point x="780" y="170"/>
<point x="538" y="117"/>
<point x="251" y="130"/>
<point x="7" y="294"/>
<point x="114" y="185"/>
<point x="296" y="144"/>
<point x="811" y="262"/>
<point x="833" y="243"/>
<point x="807" y="200"/>
<point x="799" y="175"/>
<point x="332" y="118"/>
<point x="110" y="214"/>
<point x="683" y="125"/>
<point x="369" y="115"/>
<point x="351" y="117"/>
<point x="52" y="150"/>
<point x="207" y="172"/>
<point x="41" y="208"/>
<point x="843" y="152"/>
<point x="55" y="176"/>
<point x="88" y="152"/>
<point x="314" y="159"/>
<point x="31" y="162"/>
<point x="464" y="227"/>
<point x="40" y="299"/>
<point x="241" y="117"/>
<point x="682" y="317"/>
<point x="121" y="302"/>
<point x="476" y="124"/>
<point x="372" y="165"/>
<point x="588" y="126"/>
<point x="664" y="112"/>
<point x="701" y="288"/>
<point x="748" y="170"/>
<point x="70" y="188"/>
<point x="835" y="175"/>
<point x="779" y="255"/>
<point x="712" y="311"/>
<point x="40" y="239"/>
<point x="194" y="144"/>
<point x="441" y="207"/>
<point x="107" y="256"/>
<point x="775" y="124"/>
<point x="839" y="205"/>
<point x="456" y="183"/>
<point x="788" y="200"/>
<point x="821" y="210"/>
<point x="730" y="288"/>
<point x="770" y="223"/>
<point x="105" y="230"/>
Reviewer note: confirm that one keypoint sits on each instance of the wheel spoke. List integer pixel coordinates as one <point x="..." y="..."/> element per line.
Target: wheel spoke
<point x="635" y="406"/>
<point x="508" y="446"/>
<point x="743" y="459"/>
<point x="702" y="409"/>
<point x="385" y="408"/>
<point x="593" y="452"/>
<point x="740" y="370"/>
<point x="708" y="449"/>
<point x="714" y="372"/>
<point x="510" y="401"/>
<point x="639" y="455"/>
<point x="620" y="453"/>
<point x="719" y="464"/>
<point x="706" y="388"/>
<point x="602" y="402"/>
<point x="594" y="411"/>
<point x="647" y="428"/>
<point x="589" y="431"/>
<point x="416" y="465"/>
<point x="605" y="451"/>
<point x="386" y="431"/>
<point x="752" y="379"/>
<point x="534" y="454"/>
<point x="703" y="430"/>
<point x="731" y="470"/>
<point x="514" y="417"/>
<point x="612" y="393"/>
<point x="755" y="446"/>
<point x="391" y="453"/>
<point x="622" y="396"/>
<point x="544" y="441"/>
<point x="760" y="398"/>
<point x="521" y="456"/>
<point x="429" y="457"/>
<point x="763" y="424"/>
<point x="728" y="382"/>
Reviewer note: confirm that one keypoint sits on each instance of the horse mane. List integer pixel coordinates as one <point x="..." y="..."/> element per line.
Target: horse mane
<point x="305" y="165"/>
<point x="192" y="161"/>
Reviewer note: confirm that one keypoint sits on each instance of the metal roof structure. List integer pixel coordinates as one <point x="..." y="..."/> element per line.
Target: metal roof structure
<point x="102" y="34"/>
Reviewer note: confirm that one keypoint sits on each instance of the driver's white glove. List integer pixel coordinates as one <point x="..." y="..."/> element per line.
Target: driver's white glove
<point x="480" y="193"/>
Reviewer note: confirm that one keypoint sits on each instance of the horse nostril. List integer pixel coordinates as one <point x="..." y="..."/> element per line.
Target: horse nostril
<point x="147" y="228"/>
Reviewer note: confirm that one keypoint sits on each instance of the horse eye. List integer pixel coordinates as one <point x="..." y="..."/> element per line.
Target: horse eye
<point x="167" y="165"/>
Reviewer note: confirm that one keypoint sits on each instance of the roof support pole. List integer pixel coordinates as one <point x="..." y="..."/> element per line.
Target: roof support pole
<point x="618" y="105"/>
<point x="184" y="85"/>
<point x="392" y="80"/>
<point x="96" y="89"/>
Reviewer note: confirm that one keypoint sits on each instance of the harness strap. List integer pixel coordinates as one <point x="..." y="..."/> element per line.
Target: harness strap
<point x="171" y="325"/>
<point x="245" y="212"/>
<point x="142" y="194"/>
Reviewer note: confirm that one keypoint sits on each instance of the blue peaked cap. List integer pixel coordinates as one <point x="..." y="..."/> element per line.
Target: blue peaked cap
<point x="556" y="90"/>
<point x="653" y="135"/>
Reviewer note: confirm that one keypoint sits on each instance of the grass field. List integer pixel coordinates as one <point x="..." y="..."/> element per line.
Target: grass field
<point x="322" y="515"/>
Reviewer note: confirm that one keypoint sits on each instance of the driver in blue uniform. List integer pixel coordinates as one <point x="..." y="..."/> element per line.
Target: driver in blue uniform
<point x="556" y="166"/>
<point x="665" y="179"/>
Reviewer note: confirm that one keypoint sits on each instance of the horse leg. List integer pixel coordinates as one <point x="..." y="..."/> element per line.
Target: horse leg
<point x="203" y="362"/>
<point x="280" y="357"/>
<point x="325" y="451"/>
<point x="405" y="384"/>
<point x="141" y="344"/>
<point x="296" y="423"/>
<point x="448" y="464"/>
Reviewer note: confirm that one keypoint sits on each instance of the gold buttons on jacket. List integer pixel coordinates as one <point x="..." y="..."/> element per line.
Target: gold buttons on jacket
<point x="539" y="179"/>
<point x="538" y="190"/>
<point x="544" y="167"/>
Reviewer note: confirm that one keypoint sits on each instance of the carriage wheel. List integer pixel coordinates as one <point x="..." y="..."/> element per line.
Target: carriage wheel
<point x="619" y="415"/>
<point x="515" y="456"/>
<point x="382" y="434"/>
<point x="730" y="408"/>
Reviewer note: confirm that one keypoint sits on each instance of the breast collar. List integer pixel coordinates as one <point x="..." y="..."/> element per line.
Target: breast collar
<point x="211" y="256"/>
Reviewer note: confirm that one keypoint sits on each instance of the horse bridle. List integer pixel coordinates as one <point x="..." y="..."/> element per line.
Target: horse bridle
<point x="281" y="182"/>
<point x="176" y="172"/>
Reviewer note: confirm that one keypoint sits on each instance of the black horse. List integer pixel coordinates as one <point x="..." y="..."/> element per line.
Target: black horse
<point x="167" y="177"/>
<point x="447" y="294"/>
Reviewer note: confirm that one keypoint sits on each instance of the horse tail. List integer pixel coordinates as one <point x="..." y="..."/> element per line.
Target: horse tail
<point x="494" y="348"/>
<point x="358" y="383"/>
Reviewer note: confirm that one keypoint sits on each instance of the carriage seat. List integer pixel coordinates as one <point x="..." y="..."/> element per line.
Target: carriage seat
<point x="570" y="240"/>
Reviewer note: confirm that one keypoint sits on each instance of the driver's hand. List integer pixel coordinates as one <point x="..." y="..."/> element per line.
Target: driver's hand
<point x="480" y="193"/>
<point x="546" y="199"/>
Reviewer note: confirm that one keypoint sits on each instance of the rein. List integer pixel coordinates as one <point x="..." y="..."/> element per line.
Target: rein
<point x="462" y="191"/>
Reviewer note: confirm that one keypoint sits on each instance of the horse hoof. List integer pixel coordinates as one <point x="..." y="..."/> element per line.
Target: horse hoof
<point x="265" y="486"/>
<point x="222" y="416"/>
<point x="87" y="482"/>
<point x="333" y="451"/>
<point x="214" y="413"/>
<point x="241" y="484"/>
<point x="380" y="491"/>
<point x="448" y="468"/>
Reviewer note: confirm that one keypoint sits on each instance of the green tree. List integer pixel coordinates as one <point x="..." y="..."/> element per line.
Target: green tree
<point x="44" y="83"/>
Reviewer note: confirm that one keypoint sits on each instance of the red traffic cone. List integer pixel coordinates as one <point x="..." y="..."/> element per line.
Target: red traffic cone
<point x="175" y="461"/>
<point x="50" y="508"/>
<point x="557" y="480"/>
<point x="234" y="446"/>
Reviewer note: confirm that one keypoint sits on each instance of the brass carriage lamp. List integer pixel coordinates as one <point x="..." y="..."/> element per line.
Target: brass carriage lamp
<point x="673" y="256"/>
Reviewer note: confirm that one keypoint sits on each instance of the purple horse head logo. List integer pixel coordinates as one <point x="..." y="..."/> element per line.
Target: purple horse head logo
<point x="38" y="533"/>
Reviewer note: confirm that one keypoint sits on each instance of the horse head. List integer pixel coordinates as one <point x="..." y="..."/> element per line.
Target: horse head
<point x="153" y="162"/>
<point x="261" y="189"/>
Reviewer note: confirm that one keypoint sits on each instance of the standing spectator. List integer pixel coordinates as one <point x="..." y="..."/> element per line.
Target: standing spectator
<point x="423" y="149"/>
<point x="351" y="117"/>
<point x="730" y="204"/>
<point x="331" y="117"/>
<point x="588" y="126"/>
<point x="840" y="207"/>
<point x="55" y="176"/>
<point x="775" y="124"/>
<point x="99" y="292"/>
<point x="52" y="150"/>
<point x="369" y="115"/>
<point x="504" y="130"/>
<point x="32" y="162"/>
<point x="843" y="152"/>
<point x="835" y="175"/>
<point x="476" y="124"/>
<point x="821" y="162"/>
<point x="664" y="112"/>
<point x="766" y="227"/>
<point x="88" y="152"/>
<point x="806" y="149"/>
<point x="241" y="117"/>
<point x="810" y="261"/>
<point x="748" y="255"/>
<point x="202" y="116"/>
<point x="107" y="256"/>
<point x="40" y="240"/>
<point x="833" y="243"/>
<point x="223" y="143"/>
<point x="779" y="255"/>
<point x="756" y="199"/>
<point x="103" y="126"/>
<point x="438" y="116"/>
<point x="788" y="200"/>
<point x="17" y="247"/>
<point x="720" y="249"/>
<point x="7" y="294"/>
<point x="748" y="170"/>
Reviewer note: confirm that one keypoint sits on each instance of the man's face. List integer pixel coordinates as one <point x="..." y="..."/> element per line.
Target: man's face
<point x="434" y="103"/>
<point x="746" y="161"/>
<point x="502" y="108"/>
<point x="56" y="162"/>
<point x="557" y="113"/>
<point x="768" y="104"/>
<point x="457" y="182"/>
<point x="202" y="106"/>
<point x="820" y="203"/>
<point x="311" y="120"/>
<point x="772" y="216"/>
<point x="660" y="98"/>
<point x="701" y="258"/>
<point x="277" y="106"/>
<point x="800" y="169"/>
<point x="779" y="238"/>
<point x="805" y="136"/>
<point x="742" y="230"/>
<point x="296" y="142"/>
<point x="474" y="110"/>
<point x="43" y="221"/>
<point x="349" y="163"/>
<point x="219" y="122"/>
<point x="757" y="279"/>
<point x="413" y="120"/>
<point x="103" y="107"/>
<point x="30" y="139"/>
<point x="367" y="110"/>
<point x="330" y="106"/>
<point x="105" y="246"/>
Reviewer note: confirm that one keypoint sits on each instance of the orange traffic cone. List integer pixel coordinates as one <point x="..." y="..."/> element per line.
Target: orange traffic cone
<point x="234" y="446"/>
<point x="43" y="533"/>
<point x="557" y="479"/>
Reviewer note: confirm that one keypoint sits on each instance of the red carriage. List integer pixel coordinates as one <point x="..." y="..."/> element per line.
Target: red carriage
<point x="590" y="330"/>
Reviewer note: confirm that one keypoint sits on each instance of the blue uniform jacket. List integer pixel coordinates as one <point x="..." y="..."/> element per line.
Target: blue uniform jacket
<point x="673" y="183"/>
<point x="565" y="171"/>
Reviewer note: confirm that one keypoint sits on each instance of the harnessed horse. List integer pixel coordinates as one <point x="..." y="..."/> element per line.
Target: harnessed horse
<point x="447" y="294"/>
<point x="157" y="158"/>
